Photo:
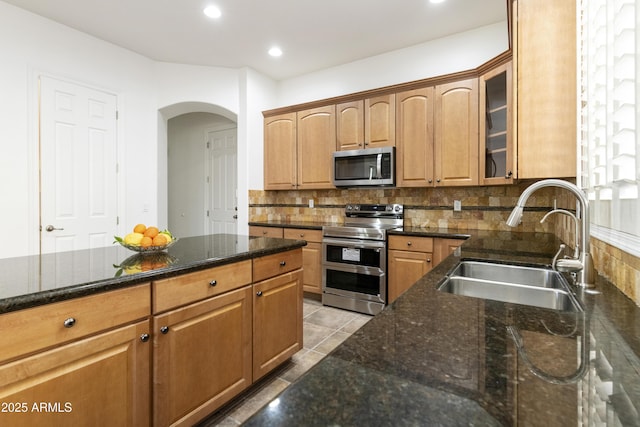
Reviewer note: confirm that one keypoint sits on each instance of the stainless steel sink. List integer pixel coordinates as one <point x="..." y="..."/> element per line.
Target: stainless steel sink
<point x="538" y="287"/>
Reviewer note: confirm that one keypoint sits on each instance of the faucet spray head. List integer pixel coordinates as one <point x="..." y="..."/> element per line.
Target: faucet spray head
<point x="515" y="217"/>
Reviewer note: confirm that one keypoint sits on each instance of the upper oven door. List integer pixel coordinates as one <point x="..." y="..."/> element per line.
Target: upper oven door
<point x="369" y="167"/>
<point x="367" y="254"/>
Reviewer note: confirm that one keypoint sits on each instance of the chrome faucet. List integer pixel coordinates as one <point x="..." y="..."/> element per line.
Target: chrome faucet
<point x="586" y="273"/>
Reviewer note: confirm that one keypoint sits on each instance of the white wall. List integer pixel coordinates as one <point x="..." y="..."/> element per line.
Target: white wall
<point x="31" y="45"/>
<point x="455" y="53"/>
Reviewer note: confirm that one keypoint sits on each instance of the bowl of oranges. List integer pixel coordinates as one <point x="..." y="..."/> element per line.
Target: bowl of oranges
<point x="145" y="239"/>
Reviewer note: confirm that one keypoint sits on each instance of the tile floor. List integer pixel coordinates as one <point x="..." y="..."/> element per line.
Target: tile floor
<point x="324" y="329"/>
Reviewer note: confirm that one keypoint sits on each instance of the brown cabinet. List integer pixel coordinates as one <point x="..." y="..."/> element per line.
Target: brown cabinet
<point x="545" y="73"/>
<point x="316" y="144"/>
<point x="497" y="145"/>
<point x="368" y="123"/>
<point x="414" y="138"/>
<point x="280" y="152"/>
<point x="409" y="258"/>
<point x="442" y="248"/>
<point x="202" y="357"/>
<point x="311" y="257"/>
<point x="456" y="133"/>
<point x="88" y="359"/>
<point x="277" y="312"/>
<point x="262" y="231"/>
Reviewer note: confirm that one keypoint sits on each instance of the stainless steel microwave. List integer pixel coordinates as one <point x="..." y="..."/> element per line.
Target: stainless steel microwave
<point x="371" y="167"/>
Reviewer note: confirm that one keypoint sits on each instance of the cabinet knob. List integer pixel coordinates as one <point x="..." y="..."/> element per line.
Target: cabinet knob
<point x="430" y="181"/>
<point x="164" y="329"/>
<point x="438" y="180"/>
<point x="301" y="234"/>
<point x="68" y="323"/>
<point x="508" y="175"/>
<point x="283" y="263"/>
<point x="213" y="283"/>
<point x="144" y="337"/>
<point x="428" y="259"/>
<point x="409" y="243"/>
<point x="259" y="293"/>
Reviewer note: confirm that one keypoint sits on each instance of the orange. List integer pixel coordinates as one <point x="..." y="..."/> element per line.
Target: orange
<point x="151" y="232"/>
<point x="146" y="242"/>
<point x="160" y="240"/>
<point x="140" y="228"/>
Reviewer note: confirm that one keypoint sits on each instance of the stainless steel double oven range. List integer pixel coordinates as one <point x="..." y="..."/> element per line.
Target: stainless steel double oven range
<point x="354" y="257"/>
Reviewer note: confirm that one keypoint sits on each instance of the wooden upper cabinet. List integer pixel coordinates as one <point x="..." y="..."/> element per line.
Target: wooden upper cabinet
<point x="545" y="71"/>
<point x="380" y="121"/>
<point x="414" y="133"/>
<point x="316" y="143"/>
<point x="497" y="144"/>
<point x="456" y="133"/>
<point x="280" y="156"/>
<point x="368" y="123"/>
<point x="350" y="125"/>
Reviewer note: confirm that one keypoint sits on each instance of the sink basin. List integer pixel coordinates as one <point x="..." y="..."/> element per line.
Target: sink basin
<point x="538" y="287"/>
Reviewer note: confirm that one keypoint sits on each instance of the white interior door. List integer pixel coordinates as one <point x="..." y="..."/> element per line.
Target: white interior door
<point x="78" y="166"/>
<point x="222" y="212"/>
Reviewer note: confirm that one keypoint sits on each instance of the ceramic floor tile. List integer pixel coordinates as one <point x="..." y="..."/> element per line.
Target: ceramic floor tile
<point x="330" y="317"/>
<point x="356" y="323"/>
<point x="314" y="334"/>
<point x="302" y="365"/>
<point x="263" y="396"/>
<point x="331" y="342"/>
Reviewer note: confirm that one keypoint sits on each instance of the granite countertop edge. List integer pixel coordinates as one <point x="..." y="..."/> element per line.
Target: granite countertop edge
<point x="39" y="298"/>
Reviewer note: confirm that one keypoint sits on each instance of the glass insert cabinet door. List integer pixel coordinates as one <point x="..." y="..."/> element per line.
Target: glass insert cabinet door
<point x="497" y="154"/>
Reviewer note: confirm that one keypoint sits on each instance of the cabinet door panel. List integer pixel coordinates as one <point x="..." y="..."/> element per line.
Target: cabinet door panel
<point x="380" y="121"/>
<point x="203" y="359"/>
<point x="316" y="144"/>
<point x="280" y="152"/>
<point x="456" y="133"/>
<point x="405" y="269"/>
<point x="277" y="322"/>
<point x="350" y="125"/>
<point x="414" y="129"/>
<point x="98" y="381"/>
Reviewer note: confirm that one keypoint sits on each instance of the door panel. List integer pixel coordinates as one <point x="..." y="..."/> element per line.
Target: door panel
<point x="222" y="178"/>
<point x="78" y="156"/>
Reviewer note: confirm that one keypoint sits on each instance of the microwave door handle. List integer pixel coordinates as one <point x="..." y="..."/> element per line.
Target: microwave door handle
<point x="379" y="166"/>
<point x="370" y="173"/>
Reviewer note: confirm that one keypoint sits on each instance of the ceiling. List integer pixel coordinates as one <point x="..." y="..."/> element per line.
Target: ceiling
<point x="313" y="35"/>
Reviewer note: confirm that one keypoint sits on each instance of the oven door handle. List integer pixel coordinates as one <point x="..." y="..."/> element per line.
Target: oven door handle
<point x="355" y="243"/>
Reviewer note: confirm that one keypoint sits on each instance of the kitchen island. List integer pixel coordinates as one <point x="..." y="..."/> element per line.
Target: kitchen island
<point x="106" y="337"/>
<point x="434" y="358"/>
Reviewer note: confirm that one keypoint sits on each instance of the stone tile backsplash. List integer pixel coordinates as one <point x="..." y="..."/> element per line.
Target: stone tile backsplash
<point x="483" y="208"/>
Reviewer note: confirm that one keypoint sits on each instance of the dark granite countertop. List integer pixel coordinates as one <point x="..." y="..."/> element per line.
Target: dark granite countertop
<point x="37" y="280"/>
<point x="433" y="358"/>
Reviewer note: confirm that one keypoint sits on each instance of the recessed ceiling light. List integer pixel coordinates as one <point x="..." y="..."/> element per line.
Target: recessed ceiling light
<point x="275" y="51"/>
<point x="212" y="12"/>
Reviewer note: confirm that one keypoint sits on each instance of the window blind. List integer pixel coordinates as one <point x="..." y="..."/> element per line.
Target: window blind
<point x="610" y="170"/>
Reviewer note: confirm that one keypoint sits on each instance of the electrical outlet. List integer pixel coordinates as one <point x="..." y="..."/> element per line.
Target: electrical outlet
<point x="311" y="203"/>
<point x="457" y="205"/>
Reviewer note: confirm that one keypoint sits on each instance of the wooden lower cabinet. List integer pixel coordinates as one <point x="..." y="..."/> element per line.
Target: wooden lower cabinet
<point x="311" y="257"/>
<point x="442" y="248"/>
<point x="102" y="380"/>
<point x="409" y="258"/>
<point x="277" y="321"/>
<point x="202" y="357"/>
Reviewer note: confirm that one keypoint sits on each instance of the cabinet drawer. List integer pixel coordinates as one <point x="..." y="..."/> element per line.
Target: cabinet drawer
<point x="34" y="329"/>
<point x="273" y="265"/>
<point x="187" y="288"/>
<point x="303" y="234"/>
<point x="411" y="243"/>
<point x="258" y="231"/>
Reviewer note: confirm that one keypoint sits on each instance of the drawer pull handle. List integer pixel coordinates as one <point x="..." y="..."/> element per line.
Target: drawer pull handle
<point x="68" y="323"/>
<point x="259" y="293"/>
<point x="164" y="330"/>
<point x="213" y="283"/>
<point x="283" y="263"/>
<point x="144" y="337"/>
